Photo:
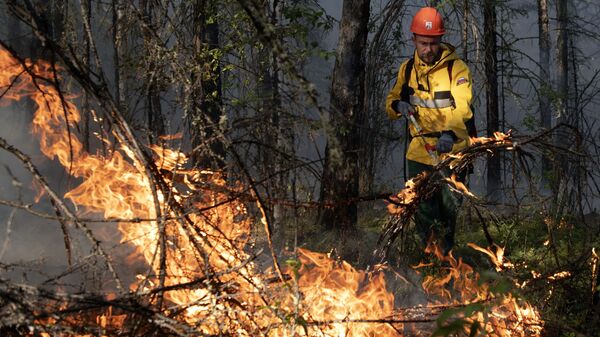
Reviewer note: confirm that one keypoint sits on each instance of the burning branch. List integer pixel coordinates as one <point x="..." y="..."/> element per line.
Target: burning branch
<point x="404" y="204"/>
<point x="33" y="310"/>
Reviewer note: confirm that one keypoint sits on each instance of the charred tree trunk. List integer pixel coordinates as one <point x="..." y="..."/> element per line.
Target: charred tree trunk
<point x="339" y="183"/>
<point x="491" y="94"/>
<point x="205" y="113"/>
<point x="545" y="84"/>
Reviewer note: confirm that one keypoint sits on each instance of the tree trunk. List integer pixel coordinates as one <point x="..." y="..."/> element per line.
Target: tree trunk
<point x="86" y="10"/>
<point x="545" y="84"/>
<point x="491" y="93"/>
<point x="205" y="113"/>
<point x="119" y="52"/>
<point x="562" y="87"/>
<point x="272" y="130"/>
<point x="465" y="30"/>
<point x="562" y="64"/>
<point x="339" y="183"/>
<point x="154" y="116"/>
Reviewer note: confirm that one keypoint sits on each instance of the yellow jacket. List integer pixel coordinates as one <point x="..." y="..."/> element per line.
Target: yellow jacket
<point x="440" y="105"/>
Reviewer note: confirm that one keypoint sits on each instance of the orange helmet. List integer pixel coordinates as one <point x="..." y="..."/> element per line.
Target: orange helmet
<point x="428" y="21"/>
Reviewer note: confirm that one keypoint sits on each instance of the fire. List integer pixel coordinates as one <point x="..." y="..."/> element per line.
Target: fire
<point x="181" y="250"/>
<point x="460" y="285"/>
<point x="405" y="196"/>
<point x="498" y="136"/>
<point x="458" y="185"/>
<point x="198" y="260"/>
<point x="335" y="291"/>
<point x="496" y="255"/>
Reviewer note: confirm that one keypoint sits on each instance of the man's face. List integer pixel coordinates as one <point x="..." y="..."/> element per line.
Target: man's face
<point x="428" y="47"/>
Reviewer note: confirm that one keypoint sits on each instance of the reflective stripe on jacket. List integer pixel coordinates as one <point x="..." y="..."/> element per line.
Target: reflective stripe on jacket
<point x="440" y="105"/>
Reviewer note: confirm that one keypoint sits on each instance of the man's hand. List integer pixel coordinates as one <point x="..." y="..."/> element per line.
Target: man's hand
<point x="402" y="108"/>
<point x="445" y="142"/>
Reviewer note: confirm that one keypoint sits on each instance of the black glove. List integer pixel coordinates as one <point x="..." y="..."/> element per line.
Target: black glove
<point x="402" y="108"/>
<point x="445" y="142"/>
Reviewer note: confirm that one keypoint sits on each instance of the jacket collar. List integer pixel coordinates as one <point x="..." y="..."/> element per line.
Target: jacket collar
<point x="448" y="53"/>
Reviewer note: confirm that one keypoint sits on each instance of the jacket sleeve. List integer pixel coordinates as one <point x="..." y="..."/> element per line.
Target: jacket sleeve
<point x="461" y="88"/>
<point x="394" y="94"/>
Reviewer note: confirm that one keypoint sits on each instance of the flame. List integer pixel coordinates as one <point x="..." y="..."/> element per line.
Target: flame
<point x="406" y="196"/>
<point x="594" y="264"/>
<point x="117" y="186"/>
<point x="335" y="291"/>
<point x="458" y="273"/>
<point x="496" y="255"/>
<point x="498" y="136"/>
<point x="459" y="284"/>
<point x="211" y="241"/>
<point x="325" y="297"/>
<point x="456" y="184"/>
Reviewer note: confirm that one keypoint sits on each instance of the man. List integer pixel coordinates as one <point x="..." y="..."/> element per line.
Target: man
<point x="435" y="87"/>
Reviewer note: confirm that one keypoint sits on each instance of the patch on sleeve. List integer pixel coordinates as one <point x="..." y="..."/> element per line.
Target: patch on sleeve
<point x="461" y="80"/>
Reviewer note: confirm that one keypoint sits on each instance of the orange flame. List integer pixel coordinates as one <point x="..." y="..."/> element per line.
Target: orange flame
<point x="212" y="241"/>
<point x="405" y="196"/>
<point x="498" y="136"/>
<point x="333" y="290"/>
<point x="459" y="284"/>
<point x="496" y="255"/>
<point x="456" y="184"/>
<point x="118" y="187"/>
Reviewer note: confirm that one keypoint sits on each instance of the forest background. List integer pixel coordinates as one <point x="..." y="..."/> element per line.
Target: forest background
<point x="287" y="97"/>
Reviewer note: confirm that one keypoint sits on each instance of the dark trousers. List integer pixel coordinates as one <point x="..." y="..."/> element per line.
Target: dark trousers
<point x="436" y="216"/>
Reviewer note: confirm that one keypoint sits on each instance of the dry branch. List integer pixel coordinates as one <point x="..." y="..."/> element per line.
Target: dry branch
<point x="426" y="184"/>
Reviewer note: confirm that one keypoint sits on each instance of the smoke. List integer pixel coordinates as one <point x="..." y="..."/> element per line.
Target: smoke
<point x="23" y="237"/>
<point x="32" y="247"/>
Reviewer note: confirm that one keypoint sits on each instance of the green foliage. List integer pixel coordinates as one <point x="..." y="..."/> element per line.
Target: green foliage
<point x="530" y="121"/>
<point x="294" y="266"/>
<point x="303" y="22"/>
<point x="311" y="16"/>
<point x="540" y="248"/>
